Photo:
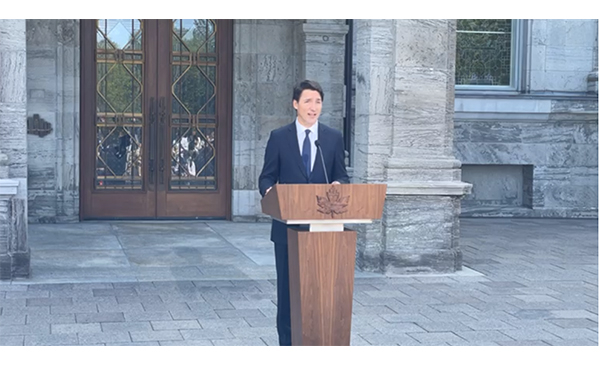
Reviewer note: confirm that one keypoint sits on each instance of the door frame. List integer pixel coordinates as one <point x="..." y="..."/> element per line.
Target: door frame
<point x="87" y="105"/>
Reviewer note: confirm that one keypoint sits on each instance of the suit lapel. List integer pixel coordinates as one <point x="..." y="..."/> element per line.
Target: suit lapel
<point x="293" y="142"/>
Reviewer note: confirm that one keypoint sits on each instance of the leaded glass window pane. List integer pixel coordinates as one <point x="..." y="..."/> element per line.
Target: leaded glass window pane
<point x="119" y="109"/>
<point x="194" y="105"/>
<point x="484" y="52"/>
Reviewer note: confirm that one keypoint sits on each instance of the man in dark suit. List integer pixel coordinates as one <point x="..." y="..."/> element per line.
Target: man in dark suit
<point x="292" y="157"/>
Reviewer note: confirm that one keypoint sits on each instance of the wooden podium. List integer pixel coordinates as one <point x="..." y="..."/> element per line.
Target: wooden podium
<point x="322" y="257"/>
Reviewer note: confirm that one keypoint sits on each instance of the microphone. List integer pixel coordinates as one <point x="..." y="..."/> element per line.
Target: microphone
<point x="318" y="144"/>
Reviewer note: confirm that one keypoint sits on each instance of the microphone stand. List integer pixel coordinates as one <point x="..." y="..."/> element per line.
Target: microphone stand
<point x="318" y="144"/>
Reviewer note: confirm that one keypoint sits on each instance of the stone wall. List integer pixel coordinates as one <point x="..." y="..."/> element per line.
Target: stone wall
<point x="14" y="248"/>
<point x="534" y="153"/>
<point x="555" y="149"/>
<point x="539" y="140"/>
<point x="266" y="67"/>
<point x="53" y="94"/>
<point x="270" y="57"/>
<point x="562" y="54"/>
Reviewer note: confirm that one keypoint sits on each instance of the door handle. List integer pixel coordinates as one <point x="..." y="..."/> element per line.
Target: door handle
<point x="161" y="139"/>
<point x="152" y="141"/>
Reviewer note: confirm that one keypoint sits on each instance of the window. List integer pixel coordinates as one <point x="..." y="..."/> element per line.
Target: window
<point x="488" y="54"/>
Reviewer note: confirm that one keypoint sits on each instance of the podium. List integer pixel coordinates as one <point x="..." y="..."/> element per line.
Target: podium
<point x="322" y="257"/>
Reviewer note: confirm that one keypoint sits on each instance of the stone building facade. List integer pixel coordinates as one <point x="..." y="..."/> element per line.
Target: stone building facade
<point x="530" y="150"/>
<point x="533" y="152"/>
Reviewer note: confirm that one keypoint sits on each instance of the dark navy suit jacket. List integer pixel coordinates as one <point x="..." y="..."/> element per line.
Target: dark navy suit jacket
<point x="283" y="165"/>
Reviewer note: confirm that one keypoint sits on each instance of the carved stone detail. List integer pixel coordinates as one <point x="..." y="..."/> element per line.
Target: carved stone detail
<point x="38" y="126"/>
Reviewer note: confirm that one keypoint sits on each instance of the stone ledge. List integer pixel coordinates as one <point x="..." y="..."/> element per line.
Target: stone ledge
<point x="502" y="105"/>
<point x="454" y="188"/>
<point x="324" y="29"/>
<point x="523" y="108"/>
<point x="8" y="187"/>
<point x="423" y="163"/>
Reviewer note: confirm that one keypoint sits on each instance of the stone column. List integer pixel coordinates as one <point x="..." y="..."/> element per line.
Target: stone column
<point x="374" y="62"/>
<point x="404" y="137"/>
<point x="53" y="68"/>
<point x="322" y="59"/>
<point x="14" y="251"/>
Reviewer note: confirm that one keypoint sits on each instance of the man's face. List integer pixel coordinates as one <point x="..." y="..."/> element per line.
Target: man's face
<point x="308" y="107"/>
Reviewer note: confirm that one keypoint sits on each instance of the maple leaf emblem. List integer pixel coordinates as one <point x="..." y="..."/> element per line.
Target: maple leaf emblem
<point x="332" y="203"/>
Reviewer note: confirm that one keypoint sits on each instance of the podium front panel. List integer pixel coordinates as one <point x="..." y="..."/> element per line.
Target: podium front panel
<point x="321" y="275"/>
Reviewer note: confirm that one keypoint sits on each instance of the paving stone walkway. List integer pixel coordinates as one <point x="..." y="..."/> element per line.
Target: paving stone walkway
<point x="526" y="282"/>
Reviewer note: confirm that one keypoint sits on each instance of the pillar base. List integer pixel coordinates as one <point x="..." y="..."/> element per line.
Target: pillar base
<point x="422" y="261"/>
<point x="15" y="265"/>
<point x="419" y="230"/>
<point x="14" y="252"/>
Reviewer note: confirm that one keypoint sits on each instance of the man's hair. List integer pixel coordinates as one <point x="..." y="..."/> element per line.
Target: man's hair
<point x="307" y="85"/>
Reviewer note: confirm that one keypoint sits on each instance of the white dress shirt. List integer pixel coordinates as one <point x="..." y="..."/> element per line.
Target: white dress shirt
<point x="313" y="136"/>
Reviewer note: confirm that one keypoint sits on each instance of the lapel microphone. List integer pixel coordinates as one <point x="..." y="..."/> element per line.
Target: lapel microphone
<point x="318" y="144"/>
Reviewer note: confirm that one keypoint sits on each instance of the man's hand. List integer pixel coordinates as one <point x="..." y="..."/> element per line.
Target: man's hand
<point x="267" y="192"/>
<point x="335" y="183"/>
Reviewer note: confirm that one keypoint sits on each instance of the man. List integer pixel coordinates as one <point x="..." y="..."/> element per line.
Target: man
<point x="292" y="157"/>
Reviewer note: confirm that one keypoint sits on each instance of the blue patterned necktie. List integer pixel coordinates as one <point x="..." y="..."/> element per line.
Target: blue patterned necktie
<point x="306" y="152"/>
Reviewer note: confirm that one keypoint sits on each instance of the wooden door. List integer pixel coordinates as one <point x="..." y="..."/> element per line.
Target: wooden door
<point x="156" y="118"/>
